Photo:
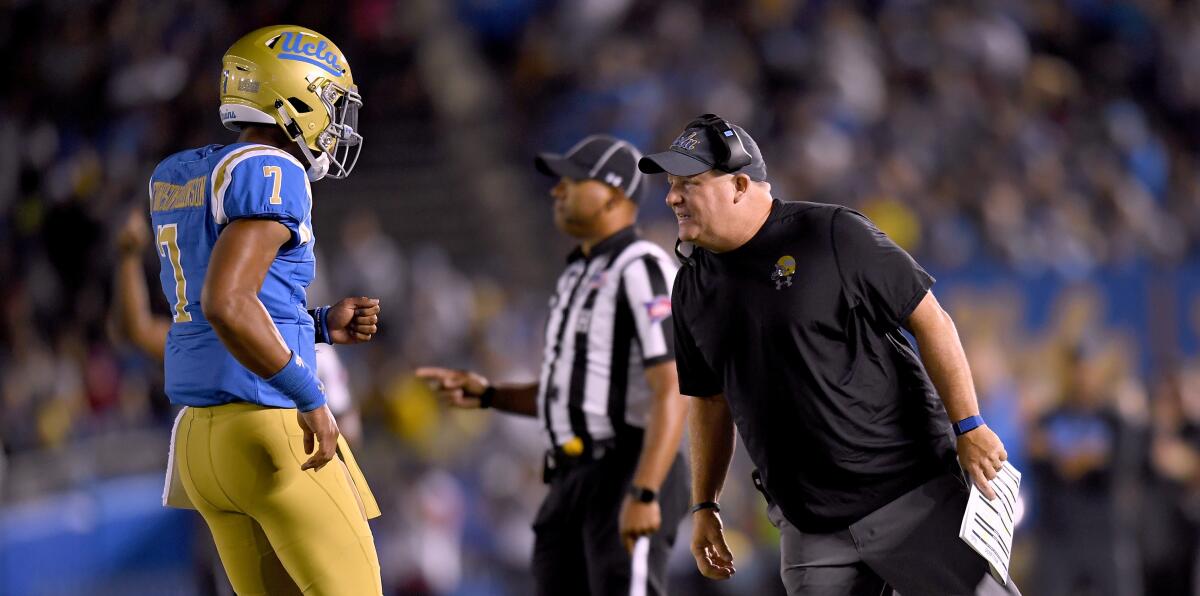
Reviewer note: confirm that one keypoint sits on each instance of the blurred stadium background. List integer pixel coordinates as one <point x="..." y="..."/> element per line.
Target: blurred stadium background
<point x="1040" y="157"/>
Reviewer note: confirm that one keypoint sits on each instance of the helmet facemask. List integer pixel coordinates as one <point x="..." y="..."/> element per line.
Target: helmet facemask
<point x="339" y="144"/>
<point x="340" y="140"/>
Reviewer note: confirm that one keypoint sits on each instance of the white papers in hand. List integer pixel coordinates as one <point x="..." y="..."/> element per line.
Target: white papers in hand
<point x="987" y="526"/>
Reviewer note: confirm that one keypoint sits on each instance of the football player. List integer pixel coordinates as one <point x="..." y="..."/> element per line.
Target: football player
<point x="256" y="448"/>
<point x="147" y="332"/>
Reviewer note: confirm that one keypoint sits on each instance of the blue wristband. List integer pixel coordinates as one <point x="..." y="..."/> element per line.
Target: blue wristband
<point x="967" y="425"/>
<point x="298" y="383"/>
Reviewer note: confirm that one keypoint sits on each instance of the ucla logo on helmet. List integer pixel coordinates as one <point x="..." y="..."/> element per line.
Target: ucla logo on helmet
<point x="293" y="47"/>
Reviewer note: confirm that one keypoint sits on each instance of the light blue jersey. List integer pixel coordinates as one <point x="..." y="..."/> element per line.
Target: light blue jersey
<point x="194" y="194"/>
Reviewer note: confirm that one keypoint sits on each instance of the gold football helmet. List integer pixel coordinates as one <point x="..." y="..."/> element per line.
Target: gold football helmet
<point x="296" y="78"/>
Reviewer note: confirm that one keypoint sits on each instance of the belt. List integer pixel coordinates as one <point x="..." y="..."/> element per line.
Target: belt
<point x="574" y="453"/>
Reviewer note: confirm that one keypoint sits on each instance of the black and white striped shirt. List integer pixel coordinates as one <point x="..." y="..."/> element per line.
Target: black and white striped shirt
<point x="610" y="319"/>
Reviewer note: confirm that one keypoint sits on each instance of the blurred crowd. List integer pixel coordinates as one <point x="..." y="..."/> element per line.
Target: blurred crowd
<point x="1055" y="135"/>
<point x="1031" y="140"/>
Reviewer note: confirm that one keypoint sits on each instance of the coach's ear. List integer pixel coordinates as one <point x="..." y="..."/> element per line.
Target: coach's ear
<point x="741" y="183"/>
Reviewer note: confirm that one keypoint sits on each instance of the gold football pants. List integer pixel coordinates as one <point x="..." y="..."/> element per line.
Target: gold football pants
<point x="279" y="530"/>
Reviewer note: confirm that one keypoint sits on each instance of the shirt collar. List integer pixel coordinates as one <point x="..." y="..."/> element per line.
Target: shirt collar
<point x="613" y="244"/>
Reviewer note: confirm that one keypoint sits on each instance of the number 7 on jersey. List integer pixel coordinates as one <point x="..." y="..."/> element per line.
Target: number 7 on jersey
<point x="168" y="248"/>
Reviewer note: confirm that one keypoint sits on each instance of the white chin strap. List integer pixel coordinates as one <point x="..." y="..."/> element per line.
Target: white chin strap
<point x="318" y="166"/>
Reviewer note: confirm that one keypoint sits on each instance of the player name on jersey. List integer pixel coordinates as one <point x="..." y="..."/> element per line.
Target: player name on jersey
<point x="167" y="196"/>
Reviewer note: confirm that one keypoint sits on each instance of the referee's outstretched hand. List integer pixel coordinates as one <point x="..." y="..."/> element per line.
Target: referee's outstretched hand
<point x="459" y="388"/>
<point x="982" y="455"/>
<point x="713" y="558"/>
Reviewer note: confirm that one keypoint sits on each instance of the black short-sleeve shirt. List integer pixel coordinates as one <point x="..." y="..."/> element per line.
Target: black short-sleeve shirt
<point x="800" y="329"/>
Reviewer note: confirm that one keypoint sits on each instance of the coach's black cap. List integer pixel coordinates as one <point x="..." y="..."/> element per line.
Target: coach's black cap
<point x="598" y="157"/>
<point x="695" y="152"/>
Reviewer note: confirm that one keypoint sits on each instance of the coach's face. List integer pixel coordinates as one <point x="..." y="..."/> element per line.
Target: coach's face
<point x="577" y="204"/>
<point x="701" y="204"/>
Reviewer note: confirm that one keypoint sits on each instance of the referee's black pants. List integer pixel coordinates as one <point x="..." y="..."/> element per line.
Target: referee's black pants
<point x="578" y="549"/>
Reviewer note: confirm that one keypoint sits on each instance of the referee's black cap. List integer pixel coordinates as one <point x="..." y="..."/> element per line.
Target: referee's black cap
<point x="696" y="151"/>
<point x="597" y="157"/>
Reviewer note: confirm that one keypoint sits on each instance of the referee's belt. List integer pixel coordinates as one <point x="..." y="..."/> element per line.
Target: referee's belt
<point x="574" y="453"/>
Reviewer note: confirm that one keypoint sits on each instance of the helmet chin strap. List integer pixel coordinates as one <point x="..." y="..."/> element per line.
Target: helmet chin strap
<point x="318" y="166"/>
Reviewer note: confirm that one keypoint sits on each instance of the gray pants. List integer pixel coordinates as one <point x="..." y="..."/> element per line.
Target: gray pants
<point x="910" y="545"/>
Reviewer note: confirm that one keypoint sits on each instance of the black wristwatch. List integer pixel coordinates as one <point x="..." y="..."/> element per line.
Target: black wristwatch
<point x="642" y="494"/>
<point x="485" y="398"/>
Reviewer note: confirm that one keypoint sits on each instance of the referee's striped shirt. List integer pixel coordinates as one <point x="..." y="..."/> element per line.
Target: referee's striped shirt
<point x="610" y="319"/>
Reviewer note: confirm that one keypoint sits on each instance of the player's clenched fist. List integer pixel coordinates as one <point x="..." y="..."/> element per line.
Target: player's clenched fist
<point x="353" y="320"/>
<point x="713" y="558"/>
<point x="459" y="388"/>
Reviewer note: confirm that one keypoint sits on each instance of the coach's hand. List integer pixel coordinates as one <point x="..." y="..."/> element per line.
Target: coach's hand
<point x="638" y="519"/>
<point x="713" y="558"/>
<point x="982" y="455"/>
<point x="353" y="320"/>
<point x="318" y="425"/>
<point x="459" y="388"/>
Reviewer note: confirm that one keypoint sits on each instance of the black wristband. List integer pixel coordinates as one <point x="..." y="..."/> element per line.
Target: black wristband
<point x="642" y="494"/>
<point x="706" y="505"/>
<point x="485" y="398"/>
<point x="320" y="324"/>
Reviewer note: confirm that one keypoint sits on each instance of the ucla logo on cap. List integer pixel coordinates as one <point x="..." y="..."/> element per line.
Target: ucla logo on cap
<point x="688" y="140"/>
<point x="293" y="47"/>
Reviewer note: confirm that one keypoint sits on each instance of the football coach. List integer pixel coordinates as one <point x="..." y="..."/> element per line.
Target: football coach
<point x="788" y="319"/>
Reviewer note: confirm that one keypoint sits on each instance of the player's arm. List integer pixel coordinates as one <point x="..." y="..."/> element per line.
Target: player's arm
<point x="240" y="260"/>
<point x="239" y="263"/>
<point x="136" y="322"/>
<point x="469" y="390"/>
<point x="664" y="430"/>
<point x="710" y="425"/>
<point x="979" y="451"/>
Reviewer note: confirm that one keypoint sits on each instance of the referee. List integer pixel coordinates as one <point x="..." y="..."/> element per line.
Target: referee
<point x="788" y="322"/>
<point x="608" y="396"/>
